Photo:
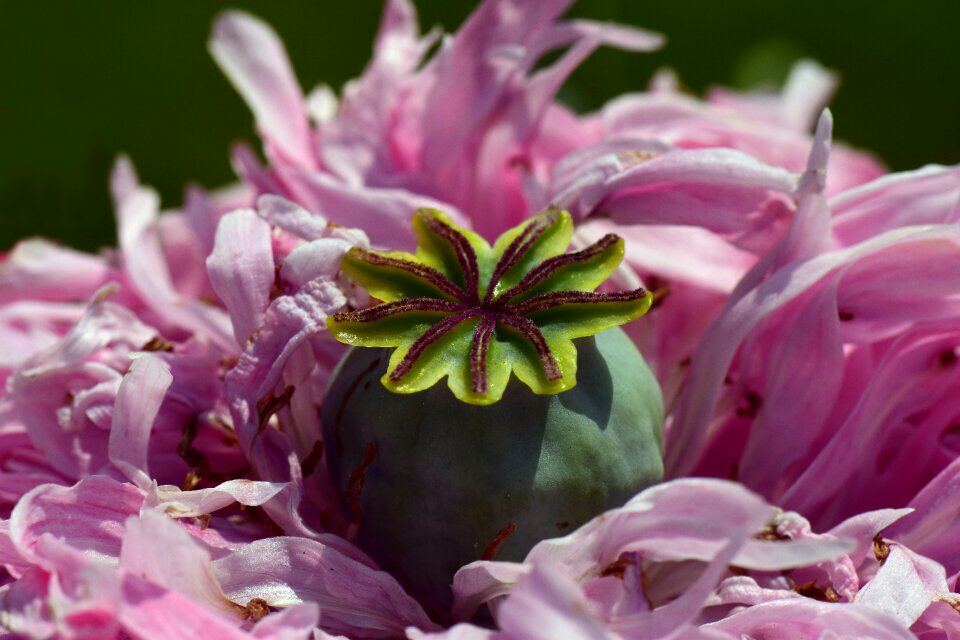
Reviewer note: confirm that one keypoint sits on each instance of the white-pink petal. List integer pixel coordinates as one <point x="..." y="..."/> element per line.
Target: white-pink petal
<point x="354" y="599"/>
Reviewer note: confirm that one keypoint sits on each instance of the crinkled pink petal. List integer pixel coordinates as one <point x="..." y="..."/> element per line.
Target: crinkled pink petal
<point x="744" y="590"/>
<point x="384" y="213"/>
<point x="904" y="586"/>
<point x="870" y="437"/>
<point x="137" y="404"/>
<point x="807" y="619"/>
<point x="177" y="503"/>
<point x="353" y="598"/>
<point x="137" y="210"/>
<point x="288" y="323"/>
<point x="241" y="269"/>
<point x="291" y="217"/>
<point x="252" y="56"/>
<point x="89" y="516"/>
<point x="311" y="260"/>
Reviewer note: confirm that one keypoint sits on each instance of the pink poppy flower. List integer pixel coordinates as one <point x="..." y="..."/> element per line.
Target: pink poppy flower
<point x="162" y="468"/>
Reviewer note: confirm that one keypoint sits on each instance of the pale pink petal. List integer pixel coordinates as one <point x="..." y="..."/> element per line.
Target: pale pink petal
<point x="288" y="323"/>
<point x="904" y="586"/>
<point x="23" y="607"/>
<point x="353" y="598"/>
<point x="183" y="566"/>
<point x="89" y="516"/>
<point x="241" y="269"/>
<point x="930" y="195"/>
<point x="190" y="504"/>
<point x="138" y="401"/>
<point x="667" y="522"/>
<point x="807" y="619"/>
<point x="137" y="210"/>
<point x="311" y="260"/>
<point x="547" y="603"/>
<point x="384" y="214"/>
<point x="722" y="190"/>
<point x="291" y="217"/>
<point x="83" y="595"/>
<point x="672" y="617"/>
<point x="37" y="269"/>
<point x="253" y="58"/>
<point x="796" y="106"/>
<point x="745" y="590"/>
<point x="460" y="631"/>
<point x="9" y="556"/>
<point x="150" y="611"/>
<point x="293" y="623"/>
<point x="480" y="582"/>
<point x="931" y="528"/>
<point x="864" y="527"/>
<point x="28" y="327"/>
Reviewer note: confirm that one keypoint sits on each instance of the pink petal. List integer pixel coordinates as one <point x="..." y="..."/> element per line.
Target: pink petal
<point x="384" y="213"/>
<point x="190" y="504"/>
<point x="292" y="623"/>
<point x="547" y="603"/>
<point x="803" y="618"/>
<point x="137" y="211"/>
<point x="151" y="611"/>
<point x="253" y="58"/>
<point x="89" y="516"/>
<point x="904" y="586"/>
<point x="241" y="269"/>
<point x="160" y="551"/>
<point x="38" y="269"/>
<point x="138" y="402"/>
<point x="930" y="195"/>
<point x="354" y="598"/>
<point x="672" y="617"/>
<point x="722" y="190"/>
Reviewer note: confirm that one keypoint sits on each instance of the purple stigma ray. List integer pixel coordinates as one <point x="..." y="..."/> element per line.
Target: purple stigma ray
<point x="423" y="272"/>
<point x="466" y="256"/>
<point x="517" y="249"/>
<point x="479" y="381"/>
<point x="531" y="332"/>
<point x="550" y="266"/>
<point x="562" y="298"/>
<point x="429" y="337"/>
<point x="407" y="305"/>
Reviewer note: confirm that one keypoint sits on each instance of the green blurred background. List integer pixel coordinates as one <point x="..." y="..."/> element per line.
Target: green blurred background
<point x="81" y="82"/>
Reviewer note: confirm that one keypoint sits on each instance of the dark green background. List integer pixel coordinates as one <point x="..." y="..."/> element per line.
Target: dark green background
<point x="83" y="81"/>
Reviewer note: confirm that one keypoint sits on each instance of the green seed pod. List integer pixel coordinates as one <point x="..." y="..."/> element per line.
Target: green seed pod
<point x="434" y="480"/>
<point x="449" y="483"/>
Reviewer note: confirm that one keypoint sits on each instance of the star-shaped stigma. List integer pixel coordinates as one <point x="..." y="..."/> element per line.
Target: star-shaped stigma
<point x="475" y="313"/>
